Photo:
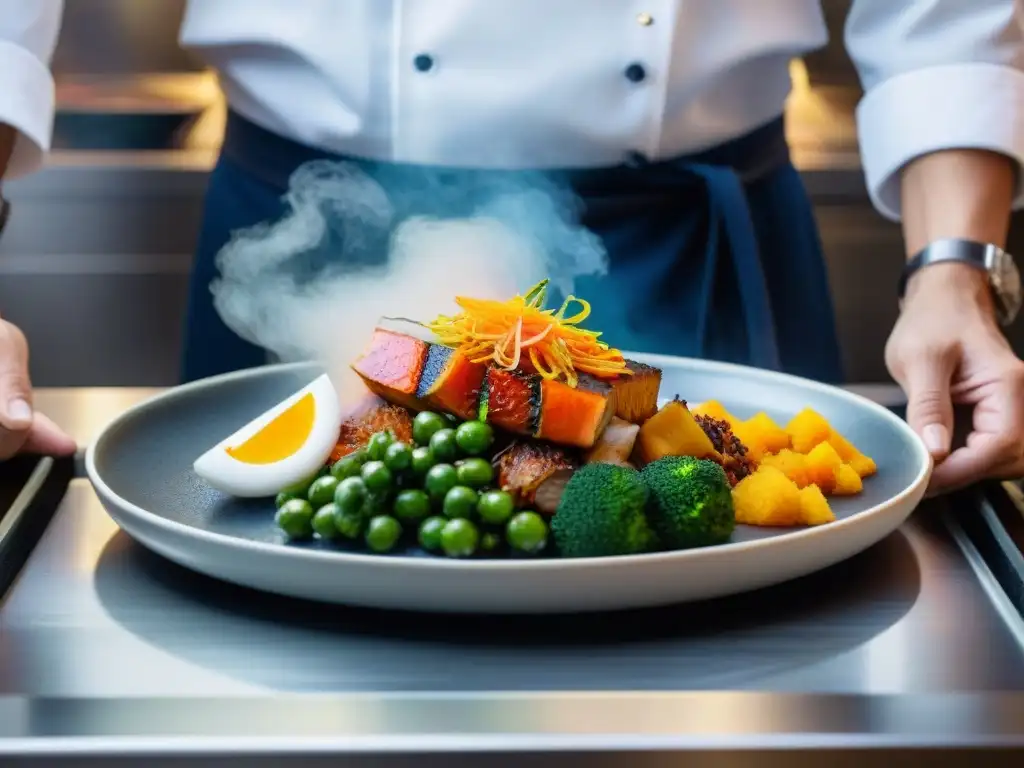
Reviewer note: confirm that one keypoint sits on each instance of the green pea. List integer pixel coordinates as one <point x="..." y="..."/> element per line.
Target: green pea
<point x="324" y="522"/>
<point x="412" y="505"/>
<point x="443" y="445"/>
<point x="398" y="457"/>
<point x="460" y="501"/>
<point x="527" y="532"/>
<point x="490" y="542"/>
<point x="422" y="460"/>
<point x="474" y="437"/>
<point x="495" y="507"/>
<point x="300" y="488"/>
<point x="475" y="472"/>
<point x="321" y="492"/>
<point x="376" y="476"/>
<point x="383" y="533"/>
<point x="349" y="523"/>
<point x="295" y="518"/>
<point x="425" y="425"/>
<point x="459" y="538"/>
<point x="430" y="533"/>
<point x="377" y="504"/>
<point x="345" y="467"/>
<point x="378" y="444"/>
<point x="350" y="494"/>
<point x="440" y="479"/>
<point x="283" y="497"/>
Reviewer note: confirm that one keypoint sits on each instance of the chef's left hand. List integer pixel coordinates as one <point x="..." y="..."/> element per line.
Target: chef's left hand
<point x="947" y="348"/>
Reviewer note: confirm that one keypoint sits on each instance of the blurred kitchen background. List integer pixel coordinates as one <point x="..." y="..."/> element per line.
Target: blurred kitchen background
<point x="94" y="264"/>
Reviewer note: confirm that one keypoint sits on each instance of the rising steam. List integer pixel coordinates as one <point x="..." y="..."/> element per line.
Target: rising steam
<point x="351" y="249"/>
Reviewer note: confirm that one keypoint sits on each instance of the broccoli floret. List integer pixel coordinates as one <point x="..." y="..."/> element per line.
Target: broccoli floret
<point x="601" y="513"/>
<point x="690" y="502"/>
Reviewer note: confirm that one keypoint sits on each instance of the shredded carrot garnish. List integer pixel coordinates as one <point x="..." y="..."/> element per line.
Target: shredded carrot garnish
<point x="521" y="334"/>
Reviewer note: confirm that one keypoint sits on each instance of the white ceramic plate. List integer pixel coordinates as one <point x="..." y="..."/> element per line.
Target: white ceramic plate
<point x="141" y="468"/>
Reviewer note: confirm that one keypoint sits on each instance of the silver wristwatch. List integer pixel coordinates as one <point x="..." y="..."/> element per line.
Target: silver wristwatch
<point x="1003" y="276"/>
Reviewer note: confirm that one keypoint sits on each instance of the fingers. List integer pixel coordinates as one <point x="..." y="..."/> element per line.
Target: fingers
<point x="990" y="453"/>
<point x="15" y="391"/>
<point x="48" y="439"/>
<point x="926" y="381"/>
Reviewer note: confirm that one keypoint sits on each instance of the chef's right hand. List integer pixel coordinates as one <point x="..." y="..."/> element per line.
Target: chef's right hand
<point x="22" y="430"/>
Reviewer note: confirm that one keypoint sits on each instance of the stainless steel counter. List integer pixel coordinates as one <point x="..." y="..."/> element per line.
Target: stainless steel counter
<point x="106" y="649"/>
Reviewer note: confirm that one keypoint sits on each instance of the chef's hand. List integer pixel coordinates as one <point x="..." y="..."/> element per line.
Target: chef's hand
<point x="21" y="429"/>
<point x="947" y="349"/>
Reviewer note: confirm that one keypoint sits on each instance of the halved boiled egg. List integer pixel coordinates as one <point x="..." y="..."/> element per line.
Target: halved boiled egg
<point x="286" y="445"/>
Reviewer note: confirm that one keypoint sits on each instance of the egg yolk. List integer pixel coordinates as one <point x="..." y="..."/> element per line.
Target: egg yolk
<point x="281" y="437"/>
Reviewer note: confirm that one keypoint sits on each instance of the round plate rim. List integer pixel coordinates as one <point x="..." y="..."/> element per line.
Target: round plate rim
<point x="791" y="538"/>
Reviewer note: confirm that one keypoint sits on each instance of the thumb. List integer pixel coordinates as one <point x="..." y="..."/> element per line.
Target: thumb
<point x="929" y="405"/>
<point x="15" y="396"/>
<point x="48" y="439"/>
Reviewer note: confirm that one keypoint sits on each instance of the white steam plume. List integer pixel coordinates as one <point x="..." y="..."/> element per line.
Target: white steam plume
<point x="313" y="285"/>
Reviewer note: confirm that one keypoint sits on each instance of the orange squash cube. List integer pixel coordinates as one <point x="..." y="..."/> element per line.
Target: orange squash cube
<point x="848" y="482"/>
<point x="715" y="410"/>
<point x="792" y="464"/>
<point x="823" y="465"/>
<point x="765" y="433"/>
<point x="814" y="508"/>
<point x="767" y="498"/>
<point x="807" y="429"/>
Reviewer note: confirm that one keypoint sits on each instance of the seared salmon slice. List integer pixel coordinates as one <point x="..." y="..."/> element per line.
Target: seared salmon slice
<point x="511" y="400"/>
<point x="450" y="382"/>
<point x="392" y="366"/>
<point x="574" y="415"/>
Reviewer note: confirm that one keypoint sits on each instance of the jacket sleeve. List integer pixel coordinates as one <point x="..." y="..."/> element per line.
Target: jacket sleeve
<point x="937" y="74"/>
<point x="28" y="36"/>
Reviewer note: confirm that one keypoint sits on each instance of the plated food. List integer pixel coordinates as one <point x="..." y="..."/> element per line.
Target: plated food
<point x="509" y="429"/>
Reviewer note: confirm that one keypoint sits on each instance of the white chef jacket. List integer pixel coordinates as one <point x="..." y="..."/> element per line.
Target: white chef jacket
<point x="569" y="83"/>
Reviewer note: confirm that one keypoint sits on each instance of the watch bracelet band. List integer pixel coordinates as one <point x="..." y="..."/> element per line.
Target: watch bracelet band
<point x="968" y="252"/>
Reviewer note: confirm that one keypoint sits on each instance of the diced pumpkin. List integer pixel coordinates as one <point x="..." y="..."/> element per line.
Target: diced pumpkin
<point x="749" y="438"/>
<point x="807" y="429"/>
<point x="863" y="465"/>
<point x="715" y="410"/>
<point x="766" y="433"/>
<point x="672" y="431"/>
<point x="814" y="508"/>
<point x="767" y="498"/>
<point x="823" y="465"/>
<point x="848" y="482"/>
<point x="792" y="464"/>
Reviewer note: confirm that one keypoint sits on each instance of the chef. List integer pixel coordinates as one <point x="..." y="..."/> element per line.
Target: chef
<point x="665" y="118"/>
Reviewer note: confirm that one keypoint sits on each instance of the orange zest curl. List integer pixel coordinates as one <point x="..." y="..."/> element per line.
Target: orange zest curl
<point x="519" y="334"/>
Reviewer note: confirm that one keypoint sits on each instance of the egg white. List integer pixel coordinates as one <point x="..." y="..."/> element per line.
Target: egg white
<point x="238" y="478"/>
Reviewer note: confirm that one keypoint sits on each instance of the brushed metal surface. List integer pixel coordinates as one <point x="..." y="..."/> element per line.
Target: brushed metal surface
<point x="106" y="649"/>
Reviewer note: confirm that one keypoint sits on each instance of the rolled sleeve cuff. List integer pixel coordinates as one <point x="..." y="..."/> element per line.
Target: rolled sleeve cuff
<point x="956" y="106"/>
<point x="26" y="104"/>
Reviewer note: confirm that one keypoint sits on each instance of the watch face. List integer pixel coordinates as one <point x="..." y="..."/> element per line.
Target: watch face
<point x="1006" y="285"/>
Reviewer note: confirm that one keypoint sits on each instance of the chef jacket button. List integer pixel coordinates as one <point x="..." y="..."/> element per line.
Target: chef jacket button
<point x="423" y="62"/>
<point x="635" y="73"/>
<point x="636" y="159"/>
<point x="644" y="19"/>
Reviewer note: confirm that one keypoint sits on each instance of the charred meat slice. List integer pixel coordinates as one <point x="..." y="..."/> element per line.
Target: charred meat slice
<point x="357" y="430"/>
<point x="534" y="473"/>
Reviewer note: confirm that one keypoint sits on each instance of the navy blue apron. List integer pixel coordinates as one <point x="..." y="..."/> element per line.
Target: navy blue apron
<point x="713" y="255"/>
